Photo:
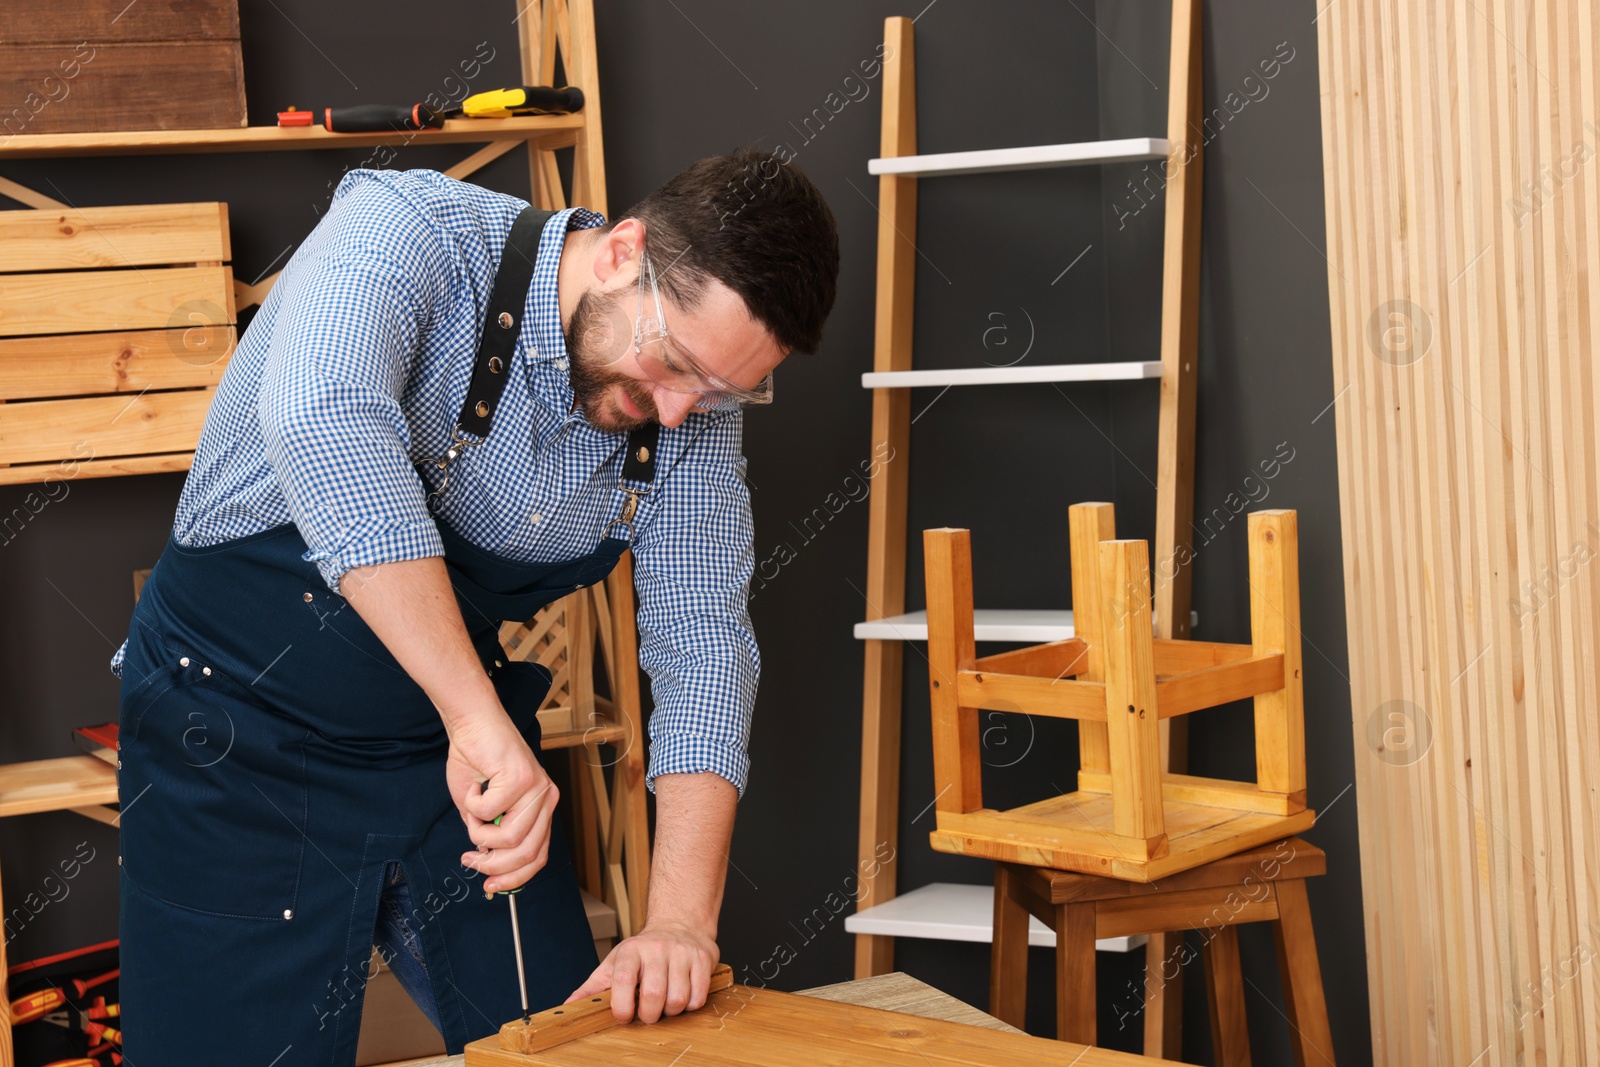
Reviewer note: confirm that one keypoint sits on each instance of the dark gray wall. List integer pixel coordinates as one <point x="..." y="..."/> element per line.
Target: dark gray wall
<point x="685" y="79"/>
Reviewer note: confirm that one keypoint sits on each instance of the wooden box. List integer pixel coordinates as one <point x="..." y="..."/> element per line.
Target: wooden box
<point x="116" y="323"/>
<point x="99" y="65"/>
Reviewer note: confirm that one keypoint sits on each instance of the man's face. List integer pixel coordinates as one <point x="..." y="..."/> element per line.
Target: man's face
<point x="614" y="391"/>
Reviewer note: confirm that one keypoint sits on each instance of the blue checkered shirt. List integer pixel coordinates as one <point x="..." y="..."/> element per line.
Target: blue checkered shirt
<point x="355" y="368"/>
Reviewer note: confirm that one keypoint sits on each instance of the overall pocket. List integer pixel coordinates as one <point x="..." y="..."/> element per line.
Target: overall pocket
<point x="213" y="791"/>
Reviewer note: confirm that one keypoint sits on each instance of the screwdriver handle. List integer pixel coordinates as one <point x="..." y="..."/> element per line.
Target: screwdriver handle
<point x="380" y="118"/>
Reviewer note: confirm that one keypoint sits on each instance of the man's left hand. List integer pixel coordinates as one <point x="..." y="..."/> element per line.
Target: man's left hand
<point x="665" y="969"/>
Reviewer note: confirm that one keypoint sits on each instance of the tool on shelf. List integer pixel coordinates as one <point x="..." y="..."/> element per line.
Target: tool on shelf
<point x="494" y="104"/>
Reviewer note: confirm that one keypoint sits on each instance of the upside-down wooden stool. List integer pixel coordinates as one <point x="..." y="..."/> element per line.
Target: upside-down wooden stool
<point x="1126" y="819"/>
<point x="1263" y="884"/>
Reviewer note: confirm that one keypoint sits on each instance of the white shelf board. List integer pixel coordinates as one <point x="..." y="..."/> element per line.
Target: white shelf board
<point x="946" y="912"/>
<point x="989" y="624"/>
<point x="1033" y="157"/>
<point x="992" y="624"/>
<point x="1054" y="372"/>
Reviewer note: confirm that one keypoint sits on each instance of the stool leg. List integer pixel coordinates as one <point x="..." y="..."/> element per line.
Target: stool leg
<point x="1008" y="955"/>
<point x="1075" y="978"/>
<point x="1163" y="1005"/>
<point x="1302" y="976"/>
<point x="1230" y="1037"/>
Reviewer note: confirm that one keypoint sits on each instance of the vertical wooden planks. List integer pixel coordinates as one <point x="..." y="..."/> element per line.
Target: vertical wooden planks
<point x="957" y="772"/>
<point x="1463" y="205"/>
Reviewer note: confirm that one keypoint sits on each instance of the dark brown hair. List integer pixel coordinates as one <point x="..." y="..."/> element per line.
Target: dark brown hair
<point x="755" y="223"/>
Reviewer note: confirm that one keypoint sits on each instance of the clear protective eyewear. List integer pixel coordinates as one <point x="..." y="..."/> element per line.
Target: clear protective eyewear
<point x="670" y="365"/>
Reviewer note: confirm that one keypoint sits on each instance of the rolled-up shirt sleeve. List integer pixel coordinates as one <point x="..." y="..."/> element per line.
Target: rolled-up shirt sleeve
<point x="353" y="304"/>
<point x="693" y="561"/>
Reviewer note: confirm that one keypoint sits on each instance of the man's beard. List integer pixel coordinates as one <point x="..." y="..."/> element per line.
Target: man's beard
<point x="597" y="338"/>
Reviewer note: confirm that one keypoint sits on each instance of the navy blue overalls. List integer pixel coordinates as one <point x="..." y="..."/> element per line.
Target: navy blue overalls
<point x="278" y="767"/>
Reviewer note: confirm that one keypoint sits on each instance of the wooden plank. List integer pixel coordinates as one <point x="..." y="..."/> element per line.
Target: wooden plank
<point x="38" y="430"/>
<point x="1058" y="659"/>
<point x="1035" y="696"/>
<point x="583" y="70"/>
<point x="633" y="817"/>
<point x="118" y="20"/>
<point x="568" y="1022"/>
<point x="1210" y="687"/>
<point x="86" y="301"/>
<point x="24" y="195"/>
<point x="32" y="473"/>
<point x="56" y="785"/>
<point x="957" y="772"/>
<point x="121" y="87"/>
<point x="1130" y="688"/>
<point x="123" y="361"/>
<point x="1275" y="627"/>
<point x="744" y="1026"/>
<point x="1088" y="525"/>
<point x="1189" y="909"/>
<point x="1179" y="657"/>
<point x="1210" y="792"/>
<point x="540" y="129"/>
<point x="1243" y="871"/>
<point x="138" y="236"/>
<point x="902" y="993"/>
<point x="887" y="494"/>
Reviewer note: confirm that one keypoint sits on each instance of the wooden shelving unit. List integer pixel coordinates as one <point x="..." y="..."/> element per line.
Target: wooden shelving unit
<point x="887" y="626"/>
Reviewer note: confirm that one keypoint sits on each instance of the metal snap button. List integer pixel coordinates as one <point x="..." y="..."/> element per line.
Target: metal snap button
<point x="505" y="320"/>
<point x="644" y="454"/>
<point x="206" y="671"/>
<point x="184" y="662"/>
<point x="497" y="663"/>
<point x="308" y="598"/>
<point x="119" y="765"/>
<point x="288" y="913"/>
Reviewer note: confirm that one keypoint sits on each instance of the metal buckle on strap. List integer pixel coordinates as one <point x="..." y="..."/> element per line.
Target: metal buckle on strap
<point x="629" y="508"/>
<point x="458" y="445"/>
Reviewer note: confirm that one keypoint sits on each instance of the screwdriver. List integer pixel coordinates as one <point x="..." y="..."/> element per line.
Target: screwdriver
<point x="495" y="104"/>
<point x="516" y="937"/>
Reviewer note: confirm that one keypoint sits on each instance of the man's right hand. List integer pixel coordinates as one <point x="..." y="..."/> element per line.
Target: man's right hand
<point x="491" y="771"/>
<point x="412" y="608"/>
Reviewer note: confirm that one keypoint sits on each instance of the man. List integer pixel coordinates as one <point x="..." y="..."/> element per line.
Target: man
<point x="450" y="411"/>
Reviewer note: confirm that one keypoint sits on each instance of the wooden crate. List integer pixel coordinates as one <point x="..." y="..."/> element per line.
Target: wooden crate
<point x="1127" y="819"/>
<point x="101" y="65"/>
<point x="116" y="323"/>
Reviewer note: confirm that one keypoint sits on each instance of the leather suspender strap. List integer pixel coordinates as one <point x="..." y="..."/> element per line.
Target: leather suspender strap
<point x="502" y="324"/>
<point x="639" y="465"/>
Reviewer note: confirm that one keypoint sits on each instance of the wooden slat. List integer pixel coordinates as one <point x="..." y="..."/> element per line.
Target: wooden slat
<point x="24" y="195"/>
<point x="118" y="20"/>
<point x="1179" y="657"/>
<point x="1210" y="687"/>
<point x="540" y="129"/>
<point x="1035" y="696"/>
<point x="632" y="818"/>
<point x="1088" y="525"/>
<point x="1288" y="858"/>
<point x="886" y="504"/>
<point x="86" y="301"/>
<point x="568" y="1022"/>
<point x="31" y="473"/>
<point x="1058" y="659"/>
<point x="1189" y="909"/>
<point x="56" y="785"/>
<point x="125" y="361"/>
<point x="138" y="236"/>
<point x="1212" y="792"/>
<point x="101" y="427"/>
<point x="122" y="87"/>
<point x="1130" y="693"/>
<point x="957" y="772"/>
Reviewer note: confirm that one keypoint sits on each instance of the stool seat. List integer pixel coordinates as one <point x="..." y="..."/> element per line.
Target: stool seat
<point x="1262" y="884"/>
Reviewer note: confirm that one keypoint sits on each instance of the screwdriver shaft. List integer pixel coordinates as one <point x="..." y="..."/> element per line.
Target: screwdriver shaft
<point x="516" y="939"/>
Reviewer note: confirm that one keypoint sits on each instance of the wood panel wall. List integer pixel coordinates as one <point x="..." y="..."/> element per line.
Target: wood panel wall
<point x="1462" y="166"/>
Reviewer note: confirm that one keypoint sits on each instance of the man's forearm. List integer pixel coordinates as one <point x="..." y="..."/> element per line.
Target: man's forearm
<point x="694" y="829"/>
<point x="412" y="609"/>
